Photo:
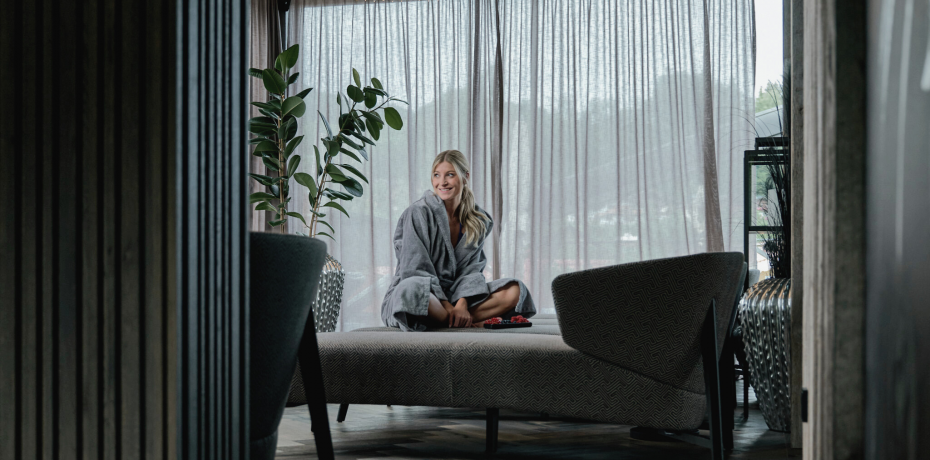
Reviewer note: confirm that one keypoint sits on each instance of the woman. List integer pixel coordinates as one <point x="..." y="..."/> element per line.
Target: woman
<point x="439" y="244"/>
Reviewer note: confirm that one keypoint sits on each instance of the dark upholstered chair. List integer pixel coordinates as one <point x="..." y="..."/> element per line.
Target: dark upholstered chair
<point x="665" y="320"/>
<point x="284" y="274"/>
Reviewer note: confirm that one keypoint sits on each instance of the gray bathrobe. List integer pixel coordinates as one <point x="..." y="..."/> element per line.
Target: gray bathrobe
<point x="428" y="263"/>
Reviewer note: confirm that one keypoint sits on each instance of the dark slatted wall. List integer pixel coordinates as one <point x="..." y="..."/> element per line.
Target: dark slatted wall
<point x="123" y="244"/>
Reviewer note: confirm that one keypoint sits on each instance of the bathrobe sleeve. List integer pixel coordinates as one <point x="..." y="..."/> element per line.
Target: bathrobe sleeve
<point x="470" y="281"/>
<point x="414" y="255"/>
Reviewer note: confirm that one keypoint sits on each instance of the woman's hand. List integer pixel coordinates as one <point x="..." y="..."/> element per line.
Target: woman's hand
<point x="460" y="316"/>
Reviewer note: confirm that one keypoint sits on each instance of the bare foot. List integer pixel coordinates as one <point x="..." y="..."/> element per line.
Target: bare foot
<point x="478" y="324"/>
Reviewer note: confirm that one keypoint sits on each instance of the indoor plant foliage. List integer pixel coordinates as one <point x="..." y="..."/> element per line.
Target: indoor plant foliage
<point x="276" y="142"/>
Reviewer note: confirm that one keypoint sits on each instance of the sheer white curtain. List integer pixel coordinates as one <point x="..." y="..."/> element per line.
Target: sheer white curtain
<point x="599" y="131"/>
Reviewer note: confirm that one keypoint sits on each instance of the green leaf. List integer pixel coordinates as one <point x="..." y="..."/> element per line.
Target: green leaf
<point x="363" y="153"/>
<point x="350" y="155"/>
<point x="291" y="79"/>
<point x="293" y="104"/>
<point x="297" y="215"/>
<point x="275" y="190"/>
<point x="352" y="186"/>
<point x="265" y="105"/>
<point x="339" y="99"/>
<point x="362" y="138"/>
<point x="257" y="73"/>
<point x="393" y="118"/>
<point x="337" y="194"/>
<point x="375" y="132"/>
<point x="260" y="196"/>
<point x="260" y="121"/>
<point x="291" y="55"/>
<point x="292" y="145"/>
<point x="271" y="163"/>
<point x="266" y="146"/>
<point x="333" y="204"/>
<point x="307" y="181"/>
<point x="374" y="117"/>
<point x="292" y="165"/>
<point x="335" y="173"/>
<point x="376" y="83"/>
<point x="351" y="143"/>
<point x="268" y="113"/>
<point x="303" y="94"/>
<point x="327" y="224"/>
<point x="358" y="82"/>
<point x="316" y="150"/>
<point x="326" y="234"/>
<point x="265" y="206"/>
<point x="371" y="100"/>
<point x="332" y="147"/>
<point x="260" y="130"/>
<point x="258" y="140"/>
<point x="355" y="171"/>
<point x="329" y="131"/>
<point x="275" y="223"/>
<point x="273" y="81"/>
<point x="318" y="214"/>
<point x="279" y="63"/>
<point x="261" y="179"/>
<point x="375" y="91"/>
<point x="288" y="129"/>
<point x="355" y="94"/>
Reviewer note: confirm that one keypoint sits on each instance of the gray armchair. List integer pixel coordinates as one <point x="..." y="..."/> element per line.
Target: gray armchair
<point x="665" y="320"/>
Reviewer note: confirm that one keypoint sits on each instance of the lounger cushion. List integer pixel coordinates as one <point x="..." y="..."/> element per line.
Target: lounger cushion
<point x="530" y="372"/>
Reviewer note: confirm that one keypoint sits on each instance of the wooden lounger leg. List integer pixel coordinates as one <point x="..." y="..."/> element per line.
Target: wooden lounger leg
<point x="343" y="409"/>
<point x="712" y="381"/>
<point x="490" y="437"/>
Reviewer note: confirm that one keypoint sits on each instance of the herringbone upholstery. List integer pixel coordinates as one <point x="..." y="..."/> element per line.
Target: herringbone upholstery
<point x="529" y="372"/>
<point x="647" y="316"/>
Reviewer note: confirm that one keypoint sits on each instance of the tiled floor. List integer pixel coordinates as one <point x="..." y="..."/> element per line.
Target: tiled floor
<point x="402" y="432"/>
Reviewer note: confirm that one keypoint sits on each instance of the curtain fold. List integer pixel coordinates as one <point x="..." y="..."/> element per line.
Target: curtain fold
<point x="599" y="132"/>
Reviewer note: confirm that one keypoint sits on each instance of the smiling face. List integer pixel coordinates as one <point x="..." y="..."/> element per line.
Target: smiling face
<point x="447" y="183"/>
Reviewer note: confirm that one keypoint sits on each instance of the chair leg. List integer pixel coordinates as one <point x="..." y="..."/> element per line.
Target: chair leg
<point x="712" y="380"/>
<point x="745" y="395"/>
<point x="311" y="370"/>
<point x="490" y="437"/>
<point x="343" y="410"/>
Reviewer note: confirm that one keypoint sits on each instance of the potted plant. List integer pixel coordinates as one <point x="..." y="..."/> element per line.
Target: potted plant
<point x="364" y="111"/>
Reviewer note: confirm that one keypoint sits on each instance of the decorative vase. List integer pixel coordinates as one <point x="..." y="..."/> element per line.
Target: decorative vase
<point x="329" y="296"/>
<point x="765" y="317"/>
<point x="325" y="315"/>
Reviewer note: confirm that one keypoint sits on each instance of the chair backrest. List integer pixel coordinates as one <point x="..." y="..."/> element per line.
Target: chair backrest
<point x="647" y="316"/>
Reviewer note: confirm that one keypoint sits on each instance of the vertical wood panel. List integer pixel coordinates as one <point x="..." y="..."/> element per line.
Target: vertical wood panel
<point x="834" y="226"/>
<point x="122" y="246"/>
<point x="796" y="31"/>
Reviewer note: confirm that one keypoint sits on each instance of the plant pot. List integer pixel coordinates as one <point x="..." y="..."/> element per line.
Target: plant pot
<point x="765" y="319"/>
<point x="284" y="272"/>
<point x="325" y="315"/>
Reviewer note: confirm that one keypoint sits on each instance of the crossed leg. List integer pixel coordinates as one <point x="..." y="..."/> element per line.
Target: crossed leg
<point x="498" y="303"/>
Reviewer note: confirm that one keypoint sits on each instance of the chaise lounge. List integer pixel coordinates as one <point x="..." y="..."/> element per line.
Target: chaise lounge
<point x="634" y="344"/>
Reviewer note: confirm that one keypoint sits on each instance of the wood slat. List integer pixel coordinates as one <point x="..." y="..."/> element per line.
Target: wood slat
<point x="121" y="326"/>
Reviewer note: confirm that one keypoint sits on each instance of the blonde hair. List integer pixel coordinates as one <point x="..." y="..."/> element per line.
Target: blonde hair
<point x="474" y="222"/>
